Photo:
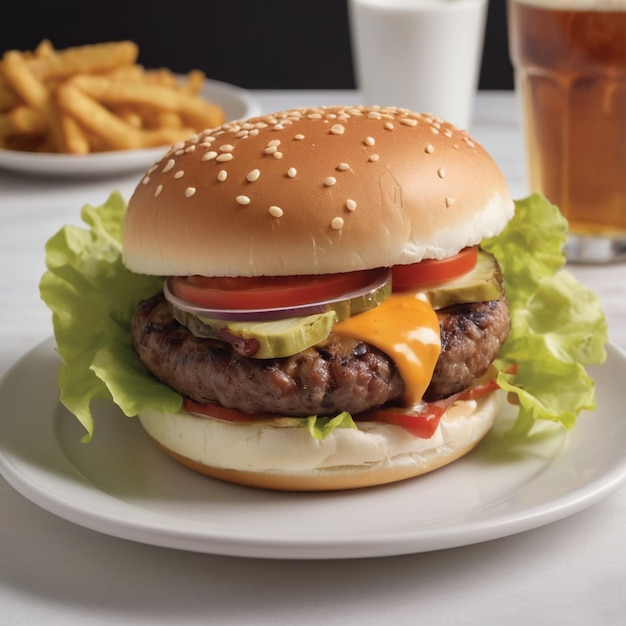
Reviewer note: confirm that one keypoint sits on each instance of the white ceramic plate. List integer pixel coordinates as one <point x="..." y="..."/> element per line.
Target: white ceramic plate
<point x="122" y="485"/>
<point x="236" y="102"/>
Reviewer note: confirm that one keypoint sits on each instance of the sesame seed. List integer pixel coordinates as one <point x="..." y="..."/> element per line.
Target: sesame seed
<point x="222" y="175"/>
<point x="299" y="137"/>
<point x="408" y="121"/>
<point x="276" y="211"/>
<point x="226" y="156"/>
<point x="158" y="190"/>
<point x="336" y="223"/>
<point x="146" y="180"/>
<point x="190" y="191"/>
<point x="292" y="172"/>
<point x="179" y="174"/>
<point x="429" y="149"/>
<point x="434" y="131"/>
<point x="253" y="175"/>
<point x="370" y="141"/>
<point x="330" y="181"/>
<point x="388" y="126"/>
<point x="278" y="155"/>
<point x="242" y="200"/>
<point x="350" y="205"/>
<point x="274" y="143"/>
<point x="337" y="129"/>
<point x="441" y="172"/>
<point x="226" y="148"/>
<point x="374" y="157"/>
<point x="207" y="156"/>
<point x="342" y="167"/>
<point x="270" y="150"/>
<point x="449" y="202"/>
<point x="169" y="165"/>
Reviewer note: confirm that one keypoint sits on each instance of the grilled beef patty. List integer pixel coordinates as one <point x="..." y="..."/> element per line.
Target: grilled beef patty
<point x="336" y="375"/>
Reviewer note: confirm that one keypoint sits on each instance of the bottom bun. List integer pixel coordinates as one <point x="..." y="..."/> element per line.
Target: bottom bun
<point x="289" y="458"/>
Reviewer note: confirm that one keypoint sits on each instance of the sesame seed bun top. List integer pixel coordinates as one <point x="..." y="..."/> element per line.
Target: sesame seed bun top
<point x="311" y="191"/>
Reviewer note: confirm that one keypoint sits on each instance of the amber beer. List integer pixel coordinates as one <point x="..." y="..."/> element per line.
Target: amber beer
<point x="570" y="65"/>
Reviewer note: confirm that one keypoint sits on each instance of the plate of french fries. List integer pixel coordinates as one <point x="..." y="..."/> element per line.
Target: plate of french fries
<point x="94" y="110"/>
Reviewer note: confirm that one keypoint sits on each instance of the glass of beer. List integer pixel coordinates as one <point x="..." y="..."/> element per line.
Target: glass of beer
<point x="569" y="58"/>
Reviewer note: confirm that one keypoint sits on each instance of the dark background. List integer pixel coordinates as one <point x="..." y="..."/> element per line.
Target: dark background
<point x="257" y="44"/>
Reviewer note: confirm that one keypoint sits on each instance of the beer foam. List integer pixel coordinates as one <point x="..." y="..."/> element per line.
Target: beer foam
<point x="579" y="5"/>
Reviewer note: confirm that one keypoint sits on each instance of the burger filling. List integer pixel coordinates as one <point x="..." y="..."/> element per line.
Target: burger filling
<point x="336" y="374"/>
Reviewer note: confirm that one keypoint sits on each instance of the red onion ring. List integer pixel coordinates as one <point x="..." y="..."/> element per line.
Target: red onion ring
<point x="381" y="279"/>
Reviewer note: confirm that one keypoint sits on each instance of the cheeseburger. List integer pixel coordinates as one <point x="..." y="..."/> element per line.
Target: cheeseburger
<point x="327" y="315"/>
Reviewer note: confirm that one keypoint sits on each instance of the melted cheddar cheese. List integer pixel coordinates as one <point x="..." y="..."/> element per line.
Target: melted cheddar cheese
<point x="406" y="328"/>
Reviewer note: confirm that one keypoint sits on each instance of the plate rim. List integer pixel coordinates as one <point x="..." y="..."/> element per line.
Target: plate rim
<point x="156" y="528"/>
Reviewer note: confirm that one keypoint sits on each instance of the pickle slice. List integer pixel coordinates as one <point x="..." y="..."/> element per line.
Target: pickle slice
<point x="481" y="284"/>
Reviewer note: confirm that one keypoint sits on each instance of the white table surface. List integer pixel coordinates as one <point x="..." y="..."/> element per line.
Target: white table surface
<point x="54" y="572"/>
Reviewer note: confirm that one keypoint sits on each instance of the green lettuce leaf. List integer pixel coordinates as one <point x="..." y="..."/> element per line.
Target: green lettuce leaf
<point x="557" y="323"/>
<point x="92" y="297"/>
<point x="321" y="427"/>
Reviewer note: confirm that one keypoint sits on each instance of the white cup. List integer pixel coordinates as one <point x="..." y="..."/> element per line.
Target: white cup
<point x="423" y="55"/>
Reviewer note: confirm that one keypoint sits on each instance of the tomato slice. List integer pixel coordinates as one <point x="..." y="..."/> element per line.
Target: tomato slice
<point x="421" y="421"/>
<point x="473" y="393"/>
<point x="262" y="292"/>
<point x="431" y="271"/>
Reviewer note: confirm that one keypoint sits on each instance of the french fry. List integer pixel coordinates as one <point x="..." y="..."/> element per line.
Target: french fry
<point x="160" y="77"/>
<point x="27" y="120"/>
<point x="133" y="118"/>
<point x="22" y="81"/>
<point x="32" y="91"/>
<point x="73" y="138"/>
<point x="8" y="98"/>
<point x="96" y="118"/>
<point x="168" y="119"/>
<point x="195" y="80"/>
<point x="44" y="49"/>
<point x="85" y="59"/>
